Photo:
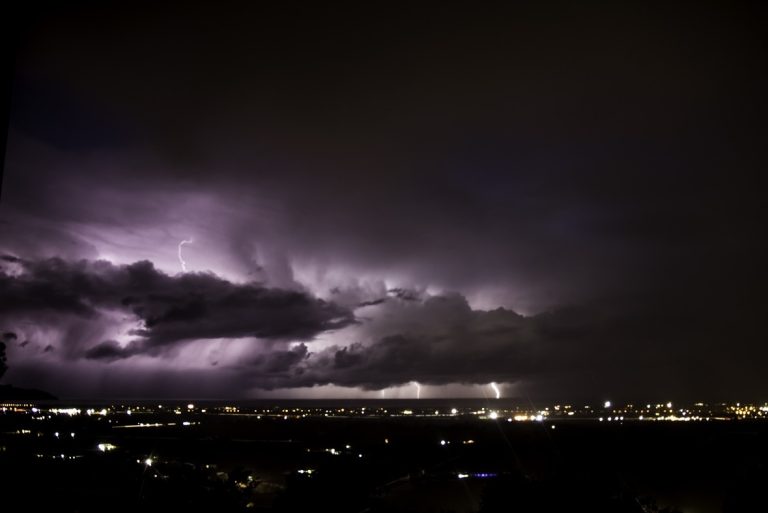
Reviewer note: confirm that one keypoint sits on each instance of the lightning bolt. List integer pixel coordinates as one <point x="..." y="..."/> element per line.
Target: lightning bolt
<point x="418" y="389"/>
<point x="495" y="388"/>
<point x="181" y="258"/>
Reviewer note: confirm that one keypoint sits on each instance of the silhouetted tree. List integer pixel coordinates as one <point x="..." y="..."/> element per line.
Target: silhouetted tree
<point x="8" y="336"/>
<point x="3" y="360"/>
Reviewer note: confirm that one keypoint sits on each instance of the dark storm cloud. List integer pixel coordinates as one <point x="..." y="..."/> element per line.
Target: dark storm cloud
<point x="609" y="157"/>
<point x="461" y="149"/>
<point x="441" y="340"/>
<point x="621" y="350"/>
<point x="109" y="350"/>
<point x="171" y="309"/>
<point x="279" y="361"/>
<point x="372" y="302"/>
<point x="405" y="294"/>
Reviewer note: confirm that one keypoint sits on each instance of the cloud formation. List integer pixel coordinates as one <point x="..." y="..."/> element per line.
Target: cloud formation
<point x="376" y="187"/>
<point x="439" y="340"/>
<point x="168" y="310"/>
<point x="410" y="335"/>
<point x="246" y="337"/>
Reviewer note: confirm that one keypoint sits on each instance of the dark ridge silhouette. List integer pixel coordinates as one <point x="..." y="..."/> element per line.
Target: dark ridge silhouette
<point x="12" y="393"/>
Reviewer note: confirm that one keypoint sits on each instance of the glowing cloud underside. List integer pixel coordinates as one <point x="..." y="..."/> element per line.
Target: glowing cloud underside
<point x="181" y="258"/>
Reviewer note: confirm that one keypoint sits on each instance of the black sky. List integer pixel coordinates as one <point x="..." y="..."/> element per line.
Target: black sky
<point x="566" y="198"/>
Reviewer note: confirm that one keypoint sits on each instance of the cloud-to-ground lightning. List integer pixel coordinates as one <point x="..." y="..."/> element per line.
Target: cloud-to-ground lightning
<point x="418" y="389"/>
<point x="495" y="388"/>
<point x="181" y="258"/>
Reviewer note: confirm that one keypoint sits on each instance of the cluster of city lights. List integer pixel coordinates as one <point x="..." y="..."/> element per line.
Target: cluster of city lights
<point x="606" y="411"/>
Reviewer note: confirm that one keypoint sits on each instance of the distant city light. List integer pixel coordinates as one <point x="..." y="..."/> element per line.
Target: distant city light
<point x="148" y="462"/>
<point x="494" y="415"/>
<point x="66" y="411"/>
<point x="480" y="475"/>
<point x="607" y="404"/>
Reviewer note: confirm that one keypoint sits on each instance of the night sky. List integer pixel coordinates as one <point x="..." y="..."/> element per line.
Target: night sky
<point x="340" y="201"/>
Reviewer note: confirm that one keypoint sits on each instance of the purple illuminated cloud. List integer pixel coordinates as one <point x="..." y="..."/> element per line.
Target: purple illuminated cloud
<point x="168" y="310"/>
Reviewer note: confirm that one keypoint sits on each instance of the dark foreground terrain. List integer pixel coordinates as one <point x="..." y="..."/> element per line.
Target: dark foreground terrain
<point x="192" y="459"/>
